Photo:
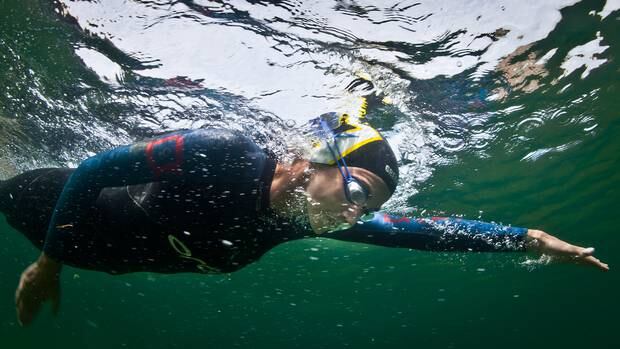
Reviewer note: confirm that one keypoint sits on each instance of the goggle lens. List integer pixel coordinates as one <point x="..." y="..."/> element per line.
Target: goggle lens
<point x="356" y="193"/>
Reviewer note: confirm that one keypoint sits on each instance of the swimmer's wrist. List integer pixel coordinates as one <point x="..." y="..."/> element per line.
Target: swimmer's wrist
<point x="48" y="263"/>
<point x="533" y="234"/>
<point x="533" y="238"/>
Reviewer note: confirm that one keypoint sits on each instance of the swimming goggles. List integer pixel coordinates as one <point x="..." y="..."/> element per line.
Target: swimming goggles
<point x="354" y="190"/>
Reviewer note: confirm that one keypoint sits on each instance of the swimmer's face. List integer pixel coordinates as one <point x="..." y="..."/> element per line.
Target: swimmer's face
<point x="328" y="207"/>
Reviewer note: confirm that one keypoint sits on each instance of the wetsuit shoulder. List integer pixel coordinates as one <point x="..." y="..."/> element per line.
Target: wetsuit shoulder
<point x="223" y="161"/>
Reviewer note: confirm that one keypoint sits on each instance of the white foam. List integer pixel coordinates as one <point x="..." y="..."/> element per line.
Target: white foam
<point x="108" y="71"/>
<point x="610" y="6"/>
<point x="584" y="55"/>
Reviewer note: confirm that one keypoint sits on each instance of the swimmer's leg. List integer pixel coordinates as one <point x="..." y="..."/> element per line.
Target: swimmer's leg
<point x="27" y="200"/>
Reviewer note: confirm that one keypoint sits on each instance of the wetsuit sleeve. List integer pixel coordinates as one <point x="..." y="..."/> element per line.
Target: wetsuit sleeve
<point x="434" y="234"/>
<point x="159" y="159"/>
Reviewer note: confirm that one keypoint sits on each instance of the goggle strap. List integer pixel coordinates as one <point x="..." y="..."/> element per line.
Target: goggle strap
<point x="346" y="175"/>
<point x="343" y="169"/>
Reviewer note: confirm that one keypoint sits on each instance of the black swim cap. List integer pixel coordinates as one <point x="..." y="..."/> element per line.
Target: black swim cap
<point x="378" y="158"/>
<point x="360" y="146"/>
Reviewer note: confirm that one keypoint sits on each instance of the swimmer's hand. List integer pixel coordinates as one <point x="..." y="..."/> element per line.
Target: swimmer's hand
<point x="541" y="242"/>
<point x="40" y="282"/>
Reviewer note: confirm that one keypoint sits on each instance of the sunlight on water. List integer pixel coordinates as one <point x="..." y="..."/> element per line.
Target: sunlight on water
<point x="442" y="64"/>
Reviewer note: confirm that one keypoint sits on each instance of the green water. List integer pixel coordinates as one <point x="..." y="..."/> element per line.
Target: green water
<point x="346" y="295"/>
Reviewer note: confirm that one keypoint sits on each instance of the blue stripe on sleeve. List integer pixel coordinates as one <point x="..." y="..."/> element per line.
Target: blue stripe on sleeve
<point x="435" y="234"/>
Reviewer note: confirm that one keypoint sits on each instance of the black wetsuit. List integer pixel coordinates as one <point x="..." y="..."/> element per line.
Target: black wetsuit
<point x="193" y="201"/>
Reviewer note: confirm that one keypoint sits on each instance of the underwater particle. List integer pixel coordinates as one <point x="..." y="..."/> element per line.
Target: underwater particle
<point x="76" y="276"/>
<point x="312" y="258"/>
<point x="480" y="270"/>
<point x="290" y="123"/>
<point x="226" y="243"/>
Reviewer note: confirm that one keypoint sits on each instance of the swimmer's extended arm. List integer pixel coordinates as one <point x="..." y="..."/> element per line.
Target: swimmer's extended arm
<point x="435" y="234"/>
<point x="455" y="234"/>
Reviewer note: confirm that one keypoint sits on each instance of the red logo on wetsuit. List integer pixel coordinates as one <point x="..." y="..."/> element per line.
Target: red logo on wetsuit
<point x="169" y="150"/>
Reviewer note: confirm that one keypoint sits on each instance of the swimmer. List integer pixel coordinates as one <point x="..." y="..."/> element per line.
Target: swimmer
<point x="212" y="201"/>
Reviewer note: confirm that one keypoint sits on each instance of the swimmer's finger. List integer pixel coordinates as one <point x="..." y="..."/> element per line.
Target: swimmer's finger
<point x="596" y="262"/>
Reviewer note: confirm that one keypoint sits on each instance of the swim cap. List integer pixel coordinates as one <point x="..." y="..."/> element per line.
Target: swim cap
<point x="360" y="146"/>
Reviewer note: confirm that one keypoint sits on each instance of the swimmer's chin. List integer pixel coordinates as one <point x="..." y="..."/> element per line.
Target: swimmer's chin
<point x="331" y="228"/>
<point x="341" y="226"/>
<point x="322" y="222"/>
